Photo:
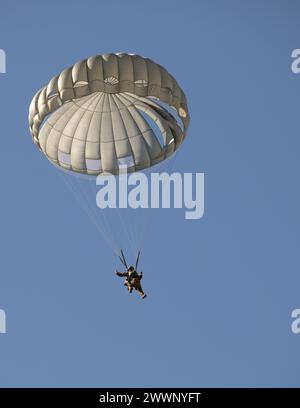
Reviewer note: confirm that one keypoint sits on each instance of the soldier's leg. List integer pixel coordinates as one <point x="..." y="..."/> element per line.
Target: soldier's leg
<point x="129" y="287"/>
<point x="139" y="289"/>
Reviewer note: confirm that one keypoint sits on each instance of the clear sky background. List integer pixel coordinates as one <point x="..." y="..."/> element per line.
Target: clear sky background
<point x="221" y="289"/>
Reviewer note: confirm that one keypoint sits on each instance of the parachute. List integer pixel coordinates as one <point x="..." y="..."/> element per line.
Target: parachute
<point x="109" y="114"/>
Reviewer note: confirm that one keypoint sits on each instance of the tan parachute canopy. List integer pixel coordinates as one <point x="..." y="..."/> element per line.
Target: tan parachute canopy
<point x="92" y="118"/>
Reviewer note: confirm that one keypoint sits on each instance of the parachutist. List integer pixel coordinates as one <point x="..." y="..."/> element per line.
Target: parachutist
<point x="132" y="280"/>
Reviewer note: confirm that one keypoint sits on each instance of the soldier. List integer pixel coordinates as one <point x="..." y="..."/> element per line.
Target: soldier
<point x="133" y="280"/>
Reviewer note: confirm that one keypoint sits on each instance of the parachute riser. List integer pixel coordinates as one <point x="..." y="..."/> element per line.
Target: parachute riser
<point x="123" y="259"/>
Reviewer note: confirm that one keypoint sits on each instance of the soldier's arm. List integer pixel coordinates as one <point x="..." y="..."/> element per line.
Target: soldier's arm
<point x="141" y="275"/>
<point x="121" y="274"/>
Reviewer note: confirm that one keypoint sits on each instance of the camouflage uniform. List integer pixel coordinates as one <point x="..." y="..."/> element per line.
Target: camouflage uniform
<point x="133" y="280"/>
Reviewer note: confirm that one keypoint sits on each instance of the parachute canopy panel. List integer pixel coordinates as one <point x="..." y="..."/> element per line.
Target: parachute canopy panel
<point x="104" y="114"/>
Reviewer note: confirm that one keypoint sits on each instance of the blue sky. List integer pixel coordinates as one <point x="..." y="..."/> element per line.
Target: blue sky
<point x="221" y="289"/>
